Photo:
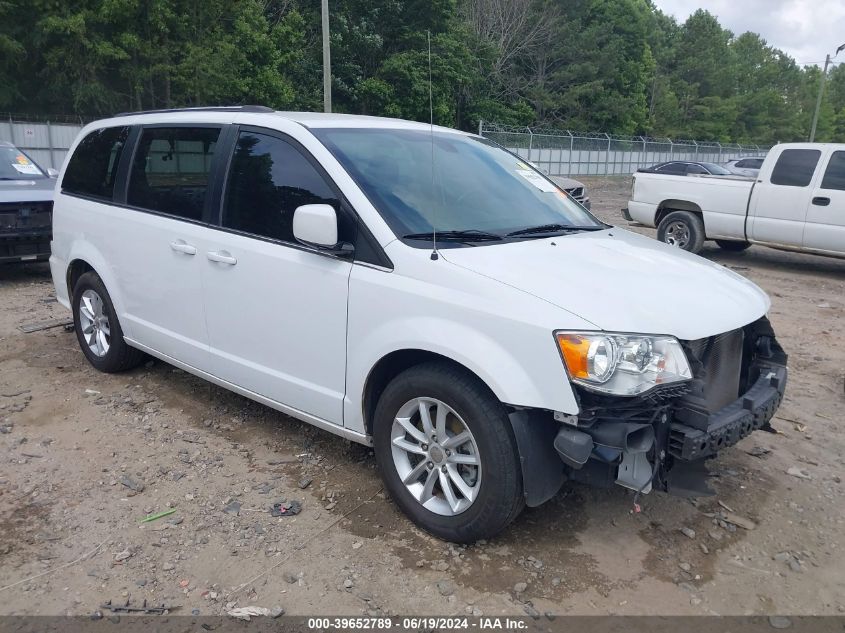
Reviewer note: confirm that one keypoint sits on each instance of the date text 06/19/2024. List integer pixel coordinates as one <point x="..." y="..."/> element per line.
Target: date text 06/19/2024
<point x="418" y="623"/>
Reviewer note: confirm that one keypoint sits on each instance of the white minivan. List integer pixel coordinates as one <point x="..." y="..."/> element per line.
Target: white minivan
<point x="413" y="288"/>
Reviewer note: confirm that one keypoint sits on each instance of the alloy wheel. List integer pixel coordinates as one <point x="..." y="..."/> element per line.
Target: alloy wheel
<point x="94" y="322"/>
<point x="436" y="456"/>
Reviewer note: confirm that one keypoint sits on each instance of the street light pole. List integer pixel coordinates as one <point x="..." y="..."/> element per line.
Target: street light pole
<point x="827" y="60"/>
<point x="327" y="60"/>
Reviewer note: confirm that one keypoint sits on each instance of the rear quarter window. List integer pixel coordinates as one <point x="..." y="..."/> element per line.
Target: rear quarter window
<point x="795" y="167"/>
<point x="92" y="169"/>
<point x="834" y="175"/>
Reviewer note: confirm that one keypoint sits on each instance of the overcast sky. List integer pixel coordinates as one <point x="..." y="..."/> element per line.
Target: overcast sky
<point x="805" y="29"/>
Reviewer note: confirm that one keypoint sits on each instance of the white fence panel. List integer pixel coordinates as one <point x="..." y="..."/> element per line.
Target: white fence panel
<point x="46" y="143"/>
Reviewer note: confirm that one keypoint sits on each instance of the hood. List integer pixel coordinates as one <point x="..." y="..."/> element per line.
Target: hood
<point x="566" y="183"/>
<point x="36" y="190"/>
<point x="622" y="282"/>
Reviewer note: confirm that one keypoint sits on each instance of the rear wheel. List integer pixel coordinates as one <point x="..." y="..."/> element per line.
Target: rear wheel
<point x="97" y="328"/>
<point x="446" y="452"/>
<point x="682" y="229"/>
<point x="732" y="246"/>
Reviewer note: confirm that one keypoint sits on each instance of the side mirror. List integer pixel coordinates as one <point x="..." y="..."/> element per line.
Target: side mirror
<point x="316" y="225"/>
<point x="52" y="173"/>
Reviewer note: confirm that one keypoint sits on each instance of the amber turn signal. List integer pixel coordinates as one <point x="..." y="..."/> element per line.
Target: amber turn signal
<point x="574" y="350"/>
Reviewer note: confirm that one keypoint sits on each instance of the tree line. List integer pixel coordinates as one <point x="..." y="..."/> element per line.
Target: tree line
<point x="619" y="66"/>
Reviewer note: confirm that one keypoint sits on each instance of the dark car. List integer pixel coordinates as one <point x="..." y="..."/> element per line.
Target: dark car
<point x="687" y="168"/>
<point x="26" y="207"/>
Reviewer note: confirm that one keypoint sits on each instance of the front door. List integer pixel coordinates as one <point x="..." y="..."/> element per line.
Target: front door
<point x="276" y="311"/>
<point x="825" y="228"/>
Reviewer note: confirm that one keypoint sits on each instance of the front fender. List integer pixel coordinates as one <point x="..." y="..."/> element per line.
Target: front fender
<point x="541" y="385"/>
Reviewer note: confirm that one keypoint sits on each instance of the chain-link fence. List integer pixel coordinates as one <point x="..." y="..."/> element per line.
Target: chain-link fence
<point x="564" y="153"/>
<point x="556" y="152"/>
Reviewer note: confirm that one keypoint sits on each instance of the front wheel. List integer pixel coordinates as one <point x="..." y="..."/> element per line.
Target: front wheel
<point x="682" y="229"/>
<point x="447" y="454"/>
<point x="732" y="246"/>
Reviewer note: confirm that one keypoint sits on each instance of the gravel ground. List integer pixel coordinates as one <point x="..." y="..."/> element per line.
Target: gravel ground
<point x="85" y="456"/>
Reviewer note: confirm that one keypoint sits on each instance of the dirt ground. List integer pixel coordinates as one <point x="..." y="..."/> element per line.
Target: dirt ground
<point x="84" y="456"/>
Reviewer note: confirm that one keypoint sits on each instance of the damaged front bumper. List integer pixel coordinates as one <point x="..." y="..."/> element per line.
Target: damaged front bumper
<point x="658" y="439"/>
<point x="750" y="412"/>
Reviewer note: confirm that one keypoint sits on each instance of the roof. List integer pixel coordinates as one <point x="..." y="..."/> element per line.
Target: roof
<point x="244" y="113"/>
<point x="807" y="145"/>
<point x="238" y="108"/>
<point x="331" y="119"/>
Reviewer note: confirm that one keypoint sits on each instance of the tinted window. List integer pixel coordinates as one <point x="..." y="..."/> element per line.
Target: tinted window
<point x="93" y="167"/>
<point x="170" y="170"/>
<point x="715" y="170"/>
<point x="795" y="167"/>
<point x="268" y="180"/>
<point x="750" y="163"/>
<point x="673" y="168"/>
<point x="834" y="175"/>
<point x="696" y="169"/>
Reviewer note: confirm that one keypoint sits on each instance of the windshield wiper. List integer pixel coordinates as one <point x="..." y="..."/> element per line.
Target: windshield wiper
<point x="468" y="235"/>
<point x="553" y="228"/>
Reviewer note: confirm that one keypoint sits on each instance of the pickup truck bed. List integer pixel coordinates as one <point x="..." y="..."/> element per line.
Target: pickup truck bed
<point x="723" y="198"/>
<point x="797" y="202"/>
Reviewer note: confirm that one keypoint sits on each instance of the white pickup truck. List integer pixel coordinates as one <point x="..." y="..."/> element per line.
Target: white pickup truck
<point x="797" y="202"/>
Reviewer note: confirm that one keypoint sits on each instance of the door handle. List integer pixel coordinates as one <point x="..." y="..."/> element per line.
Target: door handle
<point x="181" y="246"/>
<point x="222" y="257"/>
<point x="821" y="201"/>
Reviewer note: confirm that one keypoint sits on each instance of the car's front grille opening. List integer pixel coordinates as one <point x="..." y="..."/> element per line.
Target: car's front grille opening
<point x="717" y="364"/>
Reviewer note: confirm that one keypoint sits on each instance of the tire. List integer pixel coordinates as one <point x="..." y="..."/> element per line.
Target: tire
<point x="732" y="246"/>
<point x="115" y="355"/>
<point x="682" y="229"/>
<point x="496" y="483"/>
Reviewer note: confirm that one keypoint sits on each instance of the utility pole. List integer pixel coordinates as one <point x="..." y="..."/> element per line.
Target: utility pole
<point x="819" y="100"/>
<point x="327" y="60"/>
<point x="827" y="60"/>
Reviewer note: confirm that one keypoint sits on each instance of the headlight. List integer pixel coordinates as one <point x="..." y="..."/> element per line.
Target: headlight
<point x="622" y="364"/>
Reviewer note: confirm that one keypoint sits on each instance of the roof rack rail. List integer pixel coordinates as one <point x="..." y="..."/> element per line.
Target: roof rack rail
<point x="238" y="108"/>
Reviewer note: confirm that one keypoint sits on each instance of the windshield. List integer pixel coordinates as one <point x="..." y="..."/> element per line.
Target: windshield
<point x="476" y="185"/>
<point x="15" y="165"/>
<point x="716" y="170"/>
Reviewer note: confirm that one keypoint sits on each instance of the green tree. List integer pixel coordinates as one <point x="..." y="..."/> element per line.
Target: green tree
<point x="603" y="63"/>
<point x="619" y="66"/>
